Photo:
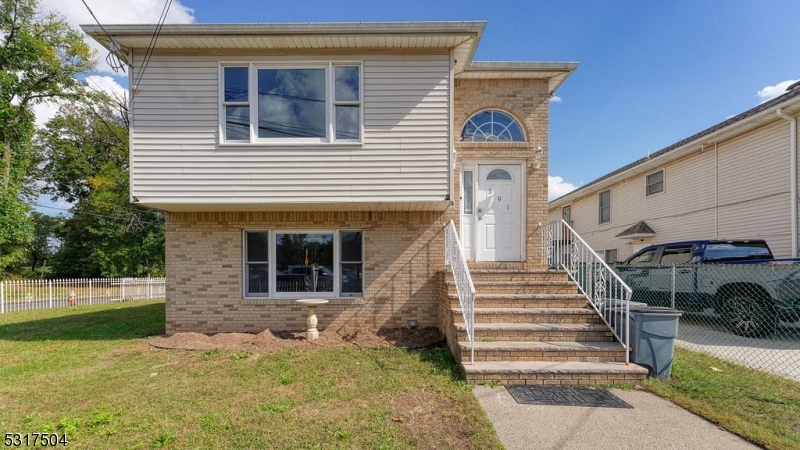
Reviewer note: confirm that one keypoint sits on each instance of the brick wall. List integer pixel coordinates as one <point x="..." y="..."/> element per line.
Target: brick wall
<point x="403" y="257"/>
<point x="404" y="251"/>
<point x="527" y="101"/>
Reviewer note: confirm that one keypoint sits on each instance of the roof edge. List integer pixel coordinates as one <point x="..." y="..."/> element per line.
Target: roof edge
<point x="290" y="28"/>
<point x="790" y="97"/>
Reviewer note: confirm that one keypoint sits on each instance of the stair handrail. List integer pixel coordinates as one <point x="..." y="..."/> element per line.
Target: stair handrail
<point x="454" y="256"/>
<point x="610" y="296"/>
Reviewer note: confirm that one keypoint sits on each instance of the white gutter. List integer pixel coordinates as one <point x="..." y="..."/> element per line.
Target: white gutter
<point x="793" y="176"/>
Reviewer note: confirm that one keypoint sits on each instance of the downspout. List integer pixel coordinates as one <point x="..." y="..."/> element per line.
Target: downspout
<point x="716" y="192"/>
<point x="793" y="177"/>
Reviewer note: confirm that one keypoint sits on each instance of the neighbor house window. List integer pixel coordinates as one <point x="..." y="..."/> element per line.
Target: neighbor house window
<point x="610" y="256"/>
<point x="605" y="206"/>
<point x="566" y="214"/>
<point x="492" y="125"/>
<point x="316" y="264"/>
<point x="654" y="183"/>
<point x="314" y="103"/>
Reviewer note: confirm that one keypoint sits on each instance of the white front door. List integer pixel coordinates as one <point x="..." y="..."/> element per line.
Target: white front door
<point x="498" y="207"/>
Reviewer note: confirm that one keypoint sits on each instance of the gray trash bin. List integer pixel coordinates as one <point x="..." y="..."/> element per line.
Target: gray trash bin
<point x="652" y="337"/>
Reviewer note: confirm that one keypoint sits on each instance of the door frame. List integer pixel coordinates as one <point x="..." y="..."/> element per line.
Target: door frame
<point x="468" y="242"/>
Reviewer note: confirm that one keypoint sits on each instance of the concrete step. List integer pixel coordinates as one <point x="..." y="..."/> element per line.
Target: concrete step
<point x="516" y="275"/>
<point x="544" y="351"/>
<point x="524" y="301"/>
<point x="570" y="373"/>
<point x="533" y="315"/>
<point x="553" y="332"/>
<point x="518" y="287"/>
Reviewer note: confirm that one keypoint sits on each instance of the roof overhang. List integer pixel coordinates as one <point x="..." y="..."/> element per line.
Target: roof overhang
<point x="462" y="37"/>
<point x="751" y="119"/>
<point x="555" y="72"/>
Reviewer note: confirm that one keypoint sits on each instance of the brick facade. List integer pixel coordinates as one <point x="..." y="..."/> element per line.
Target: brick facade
<point x="527" y="101"/>
<point x="404" y="251"/>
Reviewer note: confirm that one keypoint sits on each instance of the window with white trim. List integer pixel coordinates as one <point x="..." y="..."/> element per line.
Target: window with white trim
<point x="315" y="263"/>
<point x="605" y="207"/>
<point x="301" y="103"/>
<point x="654" y="183"/>
<point x="492" y="125"/>
<point x="610" y="256"/>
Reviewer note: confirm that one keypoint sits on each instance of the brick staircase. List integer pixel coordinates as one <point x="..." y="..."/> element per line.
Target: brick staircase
<point x="533" y="327"/>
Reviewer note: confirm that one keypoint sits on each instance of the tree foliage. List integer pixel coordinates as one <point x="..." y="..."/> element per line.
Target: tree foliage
<point x="40" y="58"/>
<point x="85" y="153"/>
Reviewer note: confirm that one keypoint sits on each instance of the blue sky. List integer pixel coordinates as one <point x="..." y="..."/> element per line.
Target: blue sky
<point x="651" y="73"/>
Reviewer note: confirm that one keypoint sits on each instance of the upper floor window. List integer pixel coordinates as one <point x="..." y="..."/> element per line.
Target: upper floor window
<point x="654" y="183"/>
<point x="315" y="103"/>
<point x="492" y="125"/>
<point x="605" y="206"/>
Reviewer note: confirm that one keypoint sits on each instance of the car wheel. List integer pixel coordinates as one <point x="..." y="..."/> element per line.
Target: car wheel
<point x="749" y="317"/>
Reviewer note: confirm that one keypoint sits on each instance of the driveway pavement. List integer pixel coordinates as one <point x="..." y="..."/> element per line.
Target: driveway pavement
<point x="653" y="423"/>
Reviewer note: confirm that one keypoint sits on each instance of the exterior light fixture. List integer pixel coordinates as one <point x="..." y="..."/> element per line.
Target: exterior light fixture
<point x="537" y="158"/>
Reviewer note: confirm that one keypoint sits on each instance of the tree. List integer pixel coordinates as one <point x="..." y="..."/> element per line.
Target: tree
<point x="40" y="58"/>
<point x="42" y="244"/>
<point x="84" y="150"/>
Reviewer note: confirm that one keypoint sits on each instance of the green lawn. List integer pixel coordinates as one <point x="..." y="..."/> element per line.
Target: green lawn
<point x="89" y="372"/>
<point x="762" y="408"/>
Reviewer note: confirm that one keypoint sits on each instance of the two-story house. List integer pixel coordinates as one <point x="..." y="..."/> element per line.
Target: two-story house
<point x="734" y="180"/>
<point x="325" y="160"/>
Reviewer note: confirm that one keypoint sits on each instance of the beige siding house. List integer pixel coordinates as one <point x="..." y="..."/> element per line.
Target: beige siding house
<point x="735" y="180"/>
<point x="339" y="162"/>
<point x="323" y="161"/>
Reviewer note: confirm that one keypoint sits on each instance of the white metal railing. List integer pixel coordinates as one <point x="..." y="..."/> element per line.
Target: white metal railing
<point x="605" y="290"/>
<point x="466" y="289"/>
<point x="27" y="295"/>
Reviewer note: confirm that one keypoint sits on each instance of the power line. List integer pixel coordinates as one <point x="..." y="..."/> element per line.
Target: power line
<point x="112" y="59"/>
<point x="151" y="47"/>
<point x="126" y="219"/>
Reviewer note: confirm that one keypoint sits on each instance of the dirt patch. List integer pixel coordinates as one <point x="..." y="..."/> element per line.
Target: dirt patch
<point x="269" y="340"/>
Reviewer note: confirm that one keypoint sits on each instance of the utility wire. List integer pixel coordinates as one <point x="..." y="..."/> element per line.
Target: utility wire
<point x="126" y="219"/>
<point x="112" y="59"/>
<point x="151" y="47"/>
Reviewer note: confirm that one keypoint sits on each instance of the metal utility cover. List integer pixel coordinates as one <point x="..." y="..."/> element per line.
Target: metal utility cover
<point x="565" y="396"/>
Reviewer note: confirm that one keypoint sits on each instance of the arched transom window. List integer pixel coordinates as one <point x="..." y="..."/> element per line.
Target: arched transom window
<point x="492" y="125"/>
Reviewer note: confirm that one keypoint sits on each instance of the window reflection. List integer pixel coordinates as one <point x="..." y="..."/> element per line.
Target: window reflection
<point x="291" y="103"/>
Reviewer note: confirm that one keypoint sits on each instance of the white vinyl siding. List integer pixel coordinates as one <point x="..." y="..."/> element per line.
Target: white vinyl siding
<point x="177" y="158"/>
<point x="748" y="198"/>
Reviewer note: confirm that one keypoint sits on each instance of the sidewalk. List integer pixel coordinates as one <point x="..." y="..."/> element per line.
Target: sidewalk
<point x="653" y="423"/>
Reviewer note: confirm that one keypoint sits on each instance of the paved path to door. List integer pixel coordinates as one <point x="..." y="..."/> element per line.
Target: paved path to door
<point x="653" y="423"/>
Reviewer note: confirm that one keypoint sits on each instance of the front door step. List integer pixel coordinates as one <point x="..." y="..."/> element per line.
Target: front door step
<point x="571" y="373"/>
<point x="546" y="351"/>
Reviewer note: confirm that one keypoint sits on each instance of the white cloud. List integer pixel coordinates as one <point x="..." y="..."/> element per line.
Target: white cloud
<point x="556" y="187"/>
<point x="770" y="92"/>
<point x="115" y="12"/>
<point x="105" y="83"/>
<point x="45" y="111"/>
<point x="555" y="99"/>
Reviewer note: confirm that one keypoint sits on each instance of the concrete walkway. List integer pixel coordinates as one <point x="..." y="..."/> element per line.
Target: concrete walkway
<point x="653" y="423"/>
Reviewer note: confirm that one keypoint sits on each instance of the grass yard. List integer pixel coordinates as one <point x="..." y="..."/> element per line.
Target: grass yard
<point x="762" y="408"/>
<point x="90" y="373"/>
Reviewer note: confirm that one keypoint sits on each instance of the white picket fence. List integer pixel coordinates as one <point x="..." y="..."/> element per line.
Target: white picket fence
<point x="27" y="295"/>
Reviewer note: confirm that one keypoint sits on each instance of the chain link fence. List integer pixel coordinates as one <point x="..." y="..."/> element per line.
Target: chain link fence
<point x="744" y="313"/>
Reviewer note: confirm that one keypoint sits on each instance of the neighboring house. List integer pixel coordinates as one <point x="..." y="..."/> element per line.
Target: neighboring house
<point x="735" y="180"/>
<point x="324" y="160"/>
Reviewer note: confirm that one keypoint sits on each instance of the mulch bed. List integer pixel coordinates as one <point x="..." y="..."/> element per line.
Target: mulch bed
<point x="272" y="340"/>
